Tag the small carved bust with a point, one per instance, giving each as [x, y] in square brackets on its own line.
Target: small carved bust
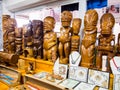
[75, 39]
[106, 40]
[50, 39]
[65, 37]
[89, 38]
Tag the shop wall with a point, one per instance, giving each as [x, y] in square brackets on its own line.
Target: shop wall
[5, 10]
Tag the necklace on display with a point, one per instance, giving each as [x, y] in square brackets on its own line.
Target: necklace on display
[118, 68]
[74, 61]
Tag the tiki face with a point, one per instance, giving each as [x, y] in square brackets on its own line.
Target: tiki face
[76, 25]
[49, 23]
[90, 19]
[106, 23]
[66, 18]
[37, 28]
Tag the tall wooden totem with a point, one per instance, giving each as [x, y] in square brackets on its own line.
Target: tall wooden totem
[9, 25]
[89, 38]
[28, 40]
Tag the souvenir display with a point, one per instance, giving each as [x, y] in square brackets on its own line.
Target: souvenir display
[106, 40]
[74, 58]
[65, 37]
[54, 78]
[69, 83]
[18, 41]
[89, 38]
[78, 73]
[84, 86]
[98, 78]
[63, 69]
[50, 40]
[116, 83]
[40, 75]
[75, 38]
[37, 27]
[28, 44]
[115, 65]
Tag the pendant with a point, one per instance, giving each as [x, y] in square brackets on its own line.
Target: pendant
[118, 69]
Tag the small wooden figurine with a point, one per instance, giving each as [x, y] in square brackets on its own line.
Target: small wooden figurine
[75, 38]
[50, 40]
[89, 38]
[65, 37]
[106, 40]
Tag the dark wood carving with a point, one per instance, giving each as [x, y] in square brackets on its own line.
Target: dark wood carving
[37, 38]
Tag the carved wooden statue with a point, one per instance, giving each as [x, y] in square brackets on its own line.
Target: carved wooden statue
[37, 38]
[89, 38]
[50, 39]
[18, 41]
[11, 35]
[106, 40]
[28, 40]
[75, 39]
[65, 37]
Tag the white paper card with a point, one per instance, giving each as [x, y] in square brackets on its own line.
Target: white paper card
[84, 86]
[78, 73]
[98, 78]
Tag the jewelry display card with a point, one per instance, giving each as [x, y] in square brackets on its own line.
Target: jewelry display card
[103, 89]
[99, 78]
[84, 86]
[78, 73]
[63, 70]
[40, 75]
[114, 64]
[74, 58]
[69, 83]
[116, 84]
